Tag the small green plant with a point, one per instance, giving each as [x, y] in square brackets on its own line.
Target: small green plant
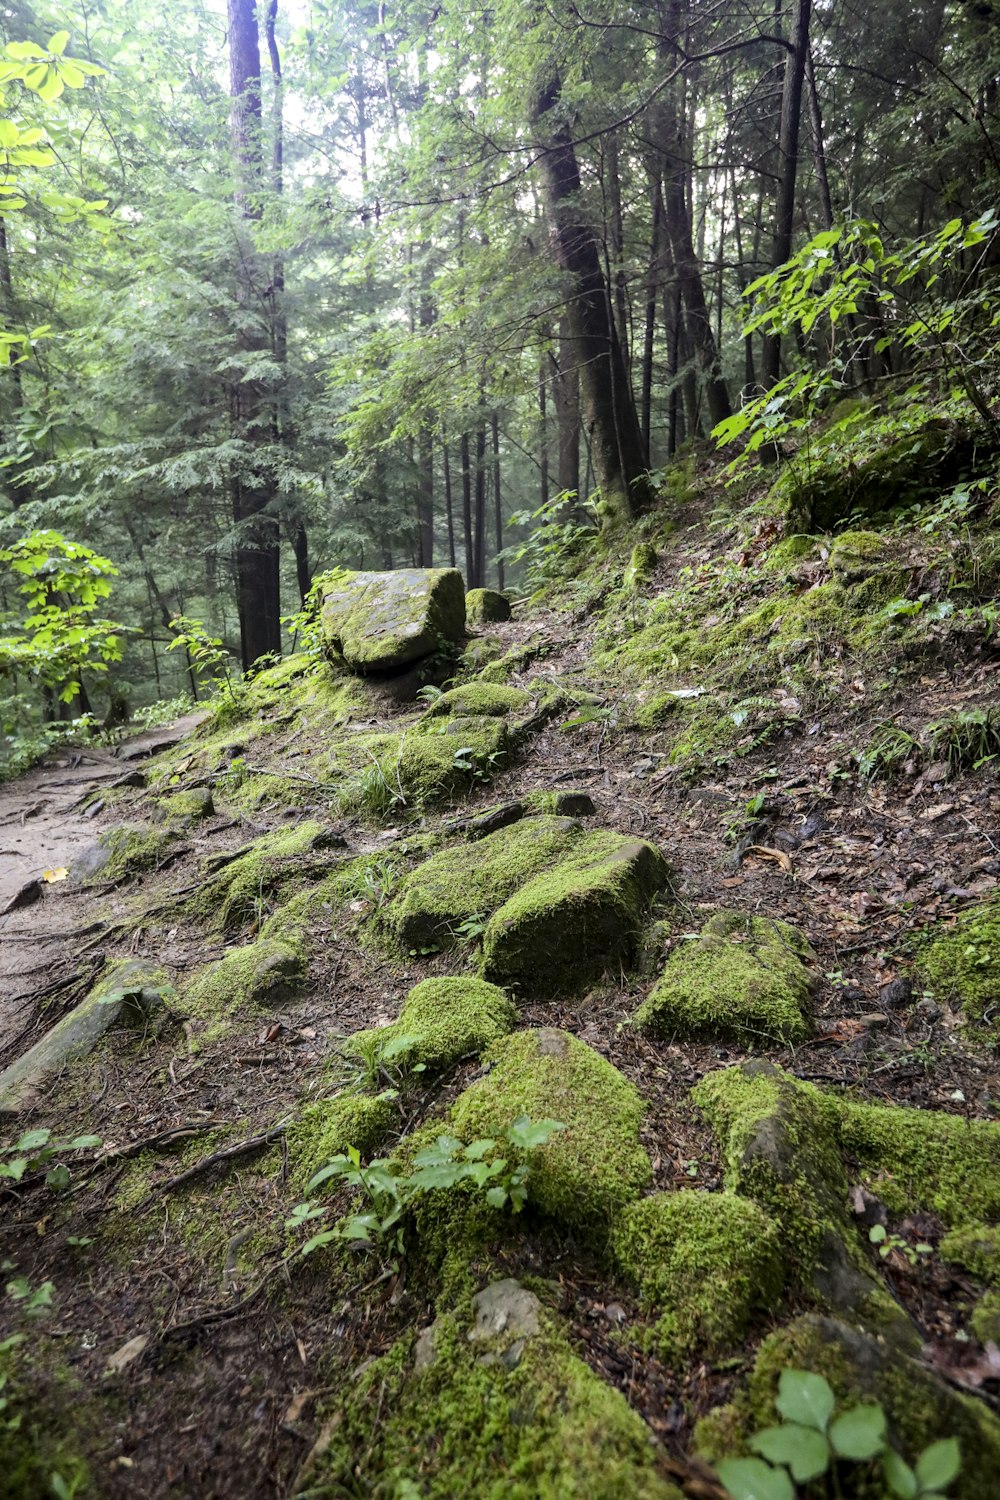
[304, 625]
[812, 1445]
[966, 739]
[375, 1058]
[561, 533]
[36, 1151]
[891, 748]
[497, 1168]
[472, 929]
[210, 657]
[878, 1235]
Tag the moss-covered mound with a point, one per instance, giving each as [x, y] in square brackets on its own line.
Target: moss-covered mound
[380, 622]
[442, 1020]
[486, 607]
[977, 1248]
[329, 1127]
[479, 699]
[921, 1407]
[240, 891]
[564, 904]
[744, 977]
[579, 919]
[261, 973]
[121, 852]
[473, 880]
[705, 1264]
[585, 1174]
[494, 1404]
[964, 964]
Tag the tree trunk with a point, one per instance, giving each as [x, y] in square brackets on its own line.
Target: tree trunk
[497, 506]
[566, 390]
[788, 154]
[609, 407]
[253, 490]
[448, 507]
[470, 551]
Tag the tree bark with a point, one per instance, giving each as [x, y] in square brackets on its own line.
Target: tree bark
[788, 154]
[253, 490]
[566, 391]
[609, 406]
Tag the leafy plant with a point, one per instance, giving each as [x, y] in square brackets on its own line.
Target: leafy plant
[497, 1168]
[209, 656]
[812, 1447]
[558, 537]
[878, 1235]
[966, 739]
[890, 749]
[37, 1150]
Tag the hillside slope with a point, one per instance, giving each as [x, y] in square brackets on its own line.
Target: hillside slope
[680, 895]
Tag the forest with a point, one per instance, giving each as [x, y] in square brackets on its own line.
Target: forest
[500, 750]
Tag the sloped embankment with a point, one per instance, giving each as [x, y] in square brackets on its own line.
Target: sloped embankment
[462, 903]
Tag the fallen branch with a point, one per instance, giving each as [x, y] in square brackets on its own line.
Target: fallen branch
[228, 1153]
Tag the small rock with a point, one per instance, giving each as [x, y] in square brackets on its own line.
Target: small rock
[896, 993]
[928, 1010]
[505, 1307]
[574, 804]
[424, 1354]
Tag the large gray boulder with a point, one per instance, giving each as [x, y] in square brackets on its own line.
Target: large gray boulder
[383, 622]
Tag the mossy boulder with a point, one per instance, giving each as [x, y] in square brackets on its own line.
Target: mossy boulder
[743, 977]
[705, 1264]
[474, 880]
[183, 809]
[381, 622]
[121, 852]
[492, 1403]
[921, 1407]
[129, 994]
[584, 1175]
[963, 964]
[258, 974]
[331, 1126]
[856, 556]
[238, 890]
[442, 1020]
[486, 607]
[641, 566]
[578, 919]
[479, 699]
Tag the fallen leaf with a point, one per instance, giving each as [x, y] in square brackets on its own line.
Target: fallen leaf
[126, 1354]
[778, 855]
[52, 876]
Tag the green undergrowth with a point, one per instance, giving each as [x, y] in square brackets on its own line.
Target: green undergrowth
[241, 892]
[133, 850]
[243, 984]
[330, 1127]
[963, 964]
[47, 1422]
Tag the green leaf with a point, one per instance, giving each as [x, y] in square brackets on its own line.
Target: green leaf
[753, 1479]
[803, 1450]
[939, 1464]
[806, 1398]
[33, 1139]
[58, 43]
[859, 1433]
[899, 1476]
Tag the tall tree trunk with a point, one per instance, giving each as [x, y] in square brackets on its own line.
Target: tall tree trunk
[497, 505]
[543, 431]
[609, 407]
[448, 505]
[253, 492]
[480, 487]
[788, 160]
[566, 390]
[470, 548]
[649, 324]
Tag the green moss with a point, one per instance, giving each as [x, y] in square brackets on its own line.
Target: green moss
[512, 1417]
[976, 1247]
[789, 551]
[706, 1265]
[984, 1319]
[133, 851]
[743, 978]
[380, 622]
[919, 1158]
[582, 916]
[442, 1020]
[418, 767]
[239, 893]
[474, 879]
[964, 964]
[920, 1406]
[641, 566]
[657, 710]
[485, 607]
[46, 1418]
[479, 699]
[328, 1128]
[256, 975]
[514, 661]
[184, 808]
[583, 1175]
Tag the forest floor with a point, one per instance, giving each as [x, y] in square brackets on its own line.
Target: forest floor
[242, 1349]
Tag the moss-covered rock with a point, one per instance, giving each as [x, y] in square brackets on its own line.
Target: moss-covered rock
[922, 1158]
[585, 1174]
[921, 1407]
[239, 892]
[380, 622]
[258, 974]
[963, 964]
[183, 809]
[121, 852]
[858, 555]
[442, 1020]
[976, 1247]
[329, 1127]
[473, 880]
[486, 607]
[479, 700]
[744, 977]
[641, 566]
[495, 1405]
[578, 919]
[705, 1264]
[984, 1320]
